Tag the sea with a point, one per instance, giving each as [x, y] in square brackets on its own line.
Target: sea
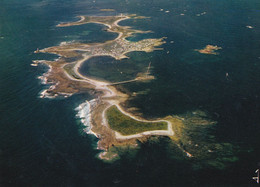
[43, 143]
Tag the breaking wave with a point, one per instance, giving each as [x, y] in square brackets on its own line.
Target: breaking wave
[84, 114]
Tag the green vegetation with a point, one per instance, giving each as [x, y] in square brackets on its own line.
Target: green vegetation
[127, 126]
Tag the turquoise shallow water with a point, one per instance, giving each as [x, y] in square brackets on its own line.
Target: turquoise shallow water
[42, 143]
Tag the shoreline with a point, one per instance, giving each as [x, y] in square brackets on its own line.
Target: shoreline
[82, 18]
[70, 81]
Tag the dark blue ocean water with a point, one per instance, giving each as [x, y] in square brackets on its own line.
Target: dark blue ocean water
[41, 141]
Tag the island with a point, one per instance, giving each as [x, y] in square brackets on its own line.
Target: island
[107, 116]
[209, 49]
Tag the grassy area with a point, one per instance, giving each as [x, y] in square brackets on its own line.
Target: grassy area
[127, 126]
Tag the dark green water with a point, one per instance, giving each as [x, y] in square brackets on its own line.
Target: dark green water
[110, 69]
[42, 143]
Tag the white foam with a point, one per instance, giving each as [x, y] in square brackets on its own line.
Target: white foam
[67, 43]
[249, 26]
[63, 94]
[84, 114]
[43, 77]
[63, 43]
[45, 94]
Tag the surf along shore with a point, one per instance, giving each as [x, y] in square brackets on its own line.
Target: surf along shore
[65, 80]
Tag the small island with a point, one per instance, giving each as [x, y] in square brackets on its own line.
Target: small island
[209, 49]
